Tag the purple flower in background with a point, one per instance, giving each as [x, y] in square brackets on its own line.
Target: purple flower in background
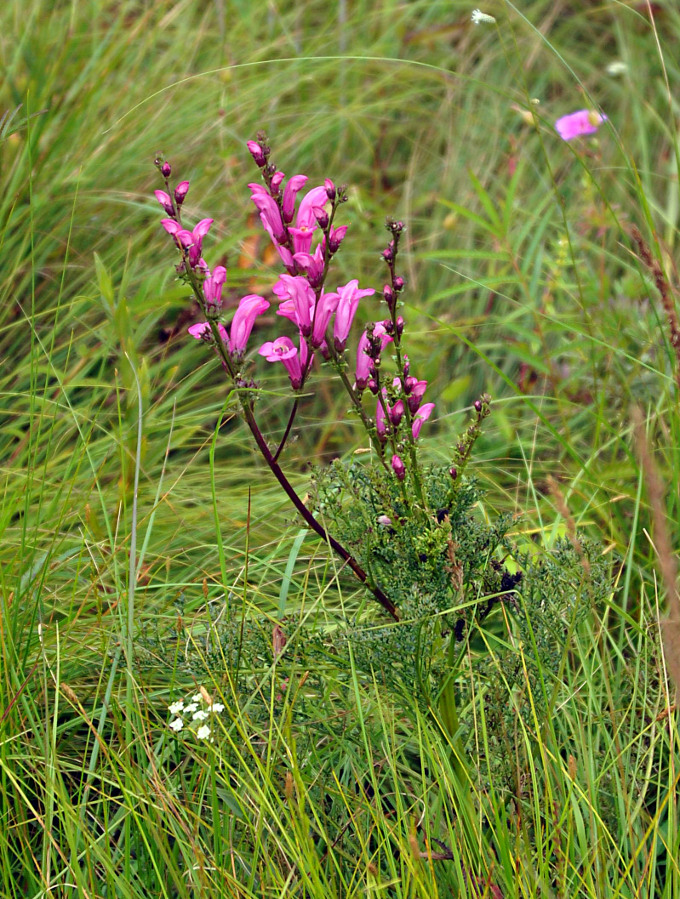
[585, 121]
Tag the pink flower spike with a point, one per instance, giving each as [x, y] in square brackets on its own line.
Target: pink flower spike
[296, 183]
[585, 121]
[398, 467]
[244, 318]
[165, 201]
[349, 297]
[325, 307]
[421, 416]
[212, 286]
[283, 350]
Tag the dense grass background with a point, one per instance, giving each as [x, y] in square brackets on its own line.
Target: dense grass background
[522, 281]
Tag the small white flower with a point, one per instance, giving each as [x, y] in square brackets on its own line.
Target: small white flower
[191, 707]
[176, 707]
[217, 707]
[199, 715]
[478, 17]
[203, 732]
[196, 697]
[177, 724]
[617, 68]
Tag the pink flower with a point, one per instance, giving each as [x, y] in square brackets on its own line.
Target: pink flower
[244, 318]
[203, 331]
[297, 290]
[311, 265]
[585, 121]
[181, 192]
[191, 240]
[348, 302]
[325, 307]
[284, 350]
[381, 417]
[317, 196]
[398, 467]
[415, 390]
[336, 237]
[269, 213]
[165, 201]
[212, 286]
[296, 183]
[421, 416]
[255, 151]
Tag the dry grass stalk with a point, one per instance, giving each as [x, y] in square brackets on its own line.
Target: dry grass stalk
[665, 292]
[668, 565]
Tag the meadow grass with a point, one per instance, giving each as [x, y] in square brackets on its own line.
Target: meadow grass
[138, 527]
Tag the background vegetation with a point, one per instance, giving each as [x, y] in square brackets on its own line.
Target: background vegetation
[522, 281]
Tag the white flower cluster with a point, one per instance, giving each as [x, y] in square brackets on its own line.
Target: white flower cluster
[197, 712]
[478, 17]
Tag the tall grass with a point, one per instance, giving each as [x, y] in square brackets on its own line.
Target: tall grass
[136, 523]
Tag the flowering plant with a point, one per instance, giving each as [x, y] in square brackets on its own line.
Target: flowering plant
[408, 531]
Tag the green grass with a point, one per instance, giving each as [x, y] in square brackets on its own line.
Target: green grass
[522, 281]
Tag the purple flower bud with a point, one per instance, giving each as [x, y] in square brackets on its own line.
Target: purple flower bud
[257, 153]
[400, 326]
[399, 284]
[478, 405]
[454, 473]
[397, 413]
[330, 189]
[336, 237]
[407, 366]
[321, 216]
[398, 467]
[166, 170]
[181, 192]
[165, 201]
[388, 295]
[388, 254]
[277, 180]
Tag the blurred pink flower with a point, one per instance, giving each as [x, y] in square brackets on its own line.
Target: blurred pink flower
[585, 121]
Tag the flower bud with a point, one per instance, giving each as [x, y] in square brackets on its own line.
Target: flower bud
[166, 170]
[388, 252]
[398, 467]
[407, 367]
[275, 183]
[321, 216]
[181, 192]
[388, 295]
[478, 405]
[398, 284]
[400, 326]
[330, 189]
[257, 153]
[336, 237]
[454, 473]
